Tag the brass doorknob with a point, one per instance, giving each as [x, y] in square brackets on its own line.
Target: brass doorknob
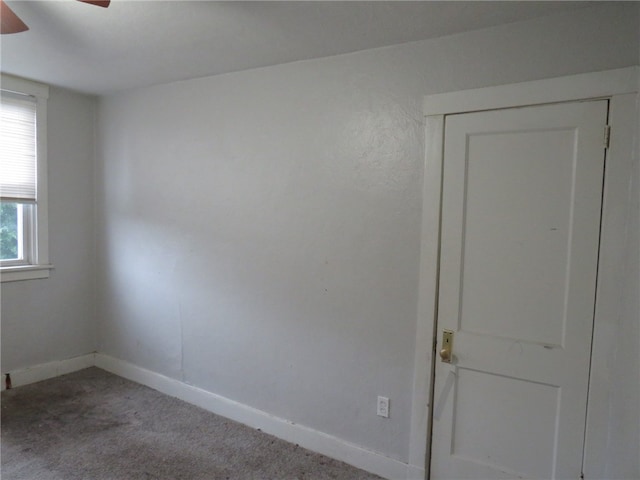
[445, 354]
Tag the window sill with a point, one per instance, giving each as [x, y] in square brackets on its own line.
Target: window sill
[24, 272]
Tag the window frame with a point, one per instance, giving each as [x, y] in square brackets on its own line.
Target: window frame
[36, 263]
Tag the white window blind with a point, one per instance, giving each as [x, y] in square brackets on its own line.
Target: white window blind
[17, 148]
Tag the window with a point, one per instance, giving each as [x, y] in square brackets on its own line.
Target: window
[23, 180]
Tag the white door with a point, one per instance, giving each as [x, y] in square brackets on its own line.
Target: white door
[521, 204]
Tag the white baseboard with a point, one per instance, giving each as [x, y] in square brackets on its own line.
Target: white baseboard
[44, 371]
[291, 432]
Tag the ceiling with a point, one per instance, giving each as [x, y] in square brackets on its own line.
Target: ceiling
[140, 43]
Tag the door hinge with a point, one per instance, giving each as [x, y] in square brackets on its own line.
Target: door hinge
[607, 136]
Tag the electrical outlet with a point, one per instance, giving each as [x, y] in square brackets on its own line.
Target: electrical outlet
[383, 407]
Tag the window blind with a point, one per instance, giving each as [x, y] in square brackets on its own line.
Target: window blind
[17, 147]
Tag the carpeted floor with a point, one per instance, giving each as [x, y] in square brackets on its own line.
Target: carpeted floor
[93, 425]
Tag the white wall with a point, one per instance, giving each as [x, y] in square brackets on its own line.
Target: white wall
[258, 232]
[53, 319]
[624, 362]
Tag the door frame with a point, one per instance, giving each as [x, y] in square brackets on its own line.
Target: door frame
[620, 87]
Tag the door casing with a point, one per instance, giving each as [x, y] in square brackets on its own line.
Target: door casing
[620, 86]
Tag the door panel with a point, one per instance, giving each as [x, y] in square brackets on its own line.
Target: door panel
[520, 230]
[514, 452]
[497, 260]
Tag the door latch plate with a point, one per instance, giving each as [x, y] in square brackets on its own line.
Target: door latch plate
[446, 352]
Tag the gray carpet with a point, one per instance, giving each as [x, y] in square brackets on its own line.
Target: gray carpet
[94, 425]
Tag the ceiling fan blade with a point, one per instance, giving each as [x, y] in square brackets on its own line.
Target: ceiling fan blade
[99, 3]
[9, 21]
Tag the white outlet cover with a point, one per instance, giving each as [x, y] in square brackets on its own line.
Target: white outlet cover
[383, 407]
